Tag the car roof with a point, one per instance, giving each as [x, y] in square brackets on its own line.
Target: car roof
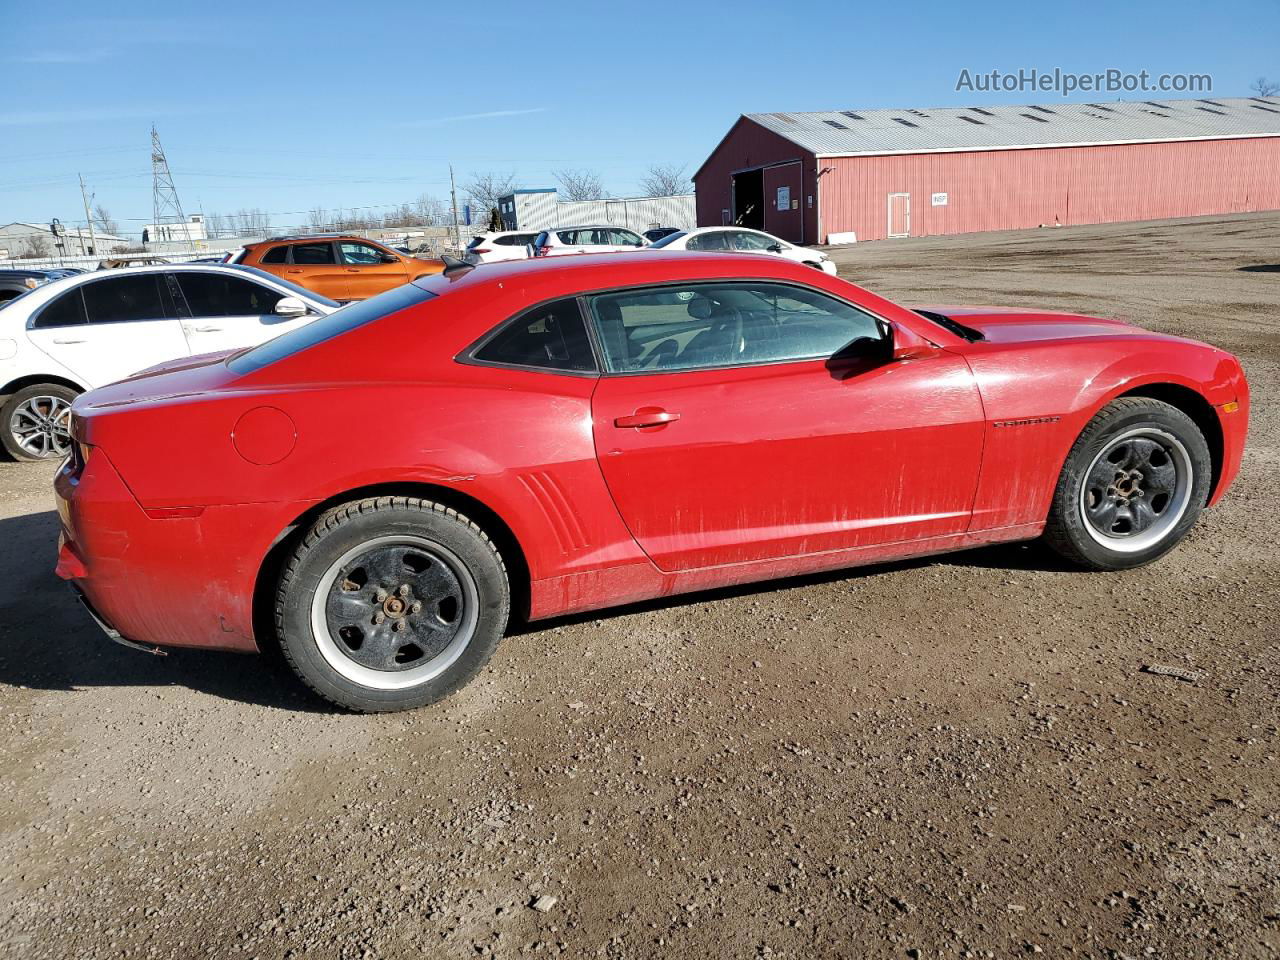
[314, 237]
[590, 226]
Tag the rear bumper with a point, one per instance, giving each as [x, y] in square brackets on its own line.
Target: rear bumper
[112, 633]
[160, 580]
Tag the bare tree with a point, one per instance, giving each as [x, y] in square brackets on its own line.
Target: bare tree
[664, 180]
[253, 222]
[102, 216]
[215, 224]
[485, 189]
[580, 184]
[1265, 87]
[37, 247]
[430, 210]
[317, 220]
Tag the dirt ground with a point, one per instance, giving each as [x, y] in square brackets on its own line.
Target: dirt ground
[953, 757]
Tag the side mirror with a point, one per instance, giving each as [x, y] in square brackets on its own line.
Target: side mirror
[775, 248]
[909, 345]
[291, 307]
[389, 258]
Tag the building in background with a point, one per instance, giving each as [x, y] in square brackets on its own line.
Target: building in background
[21, 240]
[831, 176]
[188, 232]
[540, 209]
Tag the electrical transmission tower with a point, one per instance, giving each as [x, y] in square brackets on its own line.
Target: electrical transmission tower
[165, 206]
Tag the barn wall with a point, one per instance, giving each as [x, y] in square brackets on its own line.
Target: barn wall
[1011, 189]
[748, 146]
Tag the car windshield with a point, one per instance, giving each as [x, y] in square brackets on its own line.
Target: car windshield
[669, 238]
[291, 287]
[326, 328]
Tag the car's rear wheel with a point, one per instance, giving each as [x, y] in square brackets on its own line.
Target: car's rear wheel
[391, 603]
[1134, 483]
[37, 422]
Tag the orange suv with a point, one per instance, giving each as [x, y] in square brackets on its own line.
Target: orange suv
[337, 266]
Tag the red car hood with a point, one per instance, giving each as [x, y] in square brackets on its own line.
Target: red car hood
[1018, 325]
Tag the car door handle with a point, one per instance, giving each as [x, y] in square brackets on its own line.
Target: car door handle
[353, 269]
[205, 329]
[293, 271]
[647, 418]
[67, 341]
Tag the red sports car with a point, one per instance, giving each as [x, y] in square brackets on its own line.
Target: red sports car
[379, 490]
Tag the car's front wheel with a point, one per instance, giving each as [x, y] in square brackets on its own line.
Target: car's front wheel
[391, 603]
[37, 422]
[1133, 484]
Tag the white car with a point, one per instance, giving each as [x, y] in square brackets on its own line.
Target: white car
[83, 331]
[499, 245]
[588, 239]
[742, 240]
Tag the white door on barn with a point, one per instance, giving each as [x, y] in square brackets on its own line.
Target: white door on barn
[899, 214]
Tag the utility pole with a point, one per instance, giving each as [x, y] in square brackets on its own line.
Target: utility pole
[453, 191]
[93, 237]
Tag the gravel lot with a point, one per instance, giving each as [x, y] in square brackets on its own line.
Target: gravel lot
[953, 757]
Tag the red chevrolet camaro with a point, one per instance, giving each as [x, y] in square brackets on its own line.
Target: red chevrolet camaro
[380, 490]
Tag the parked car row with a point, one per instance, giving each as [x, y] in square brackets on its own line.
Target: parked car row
[502, 245]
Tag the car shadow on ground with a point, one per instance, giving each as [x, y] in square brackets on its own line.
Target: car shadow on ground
[49, 642]
[1260, 268]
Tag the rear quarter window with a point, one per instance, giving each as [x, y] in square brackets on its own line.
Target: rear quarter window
[276, 255]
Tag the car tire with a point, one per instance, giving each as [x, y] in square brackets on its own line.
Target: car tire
[391, 603]
[47, 402]
[1135, 481]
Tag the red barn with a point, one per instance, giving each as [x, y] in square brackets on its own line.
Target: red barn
[809, 177]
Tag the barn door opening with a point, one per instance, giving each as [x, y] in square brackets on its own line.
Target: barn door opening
[899, 214]
[748, 199]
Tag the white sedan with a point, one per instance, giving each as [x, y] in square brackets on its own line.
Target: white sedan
[742, 240]
[499, 245]
[74, 334]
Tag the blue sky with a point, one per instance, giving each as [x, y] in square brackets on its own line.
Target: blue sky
[285, 106]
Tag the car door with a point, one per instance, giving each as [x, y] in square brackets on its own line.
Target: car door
[745, 421]
[370, 271]
[108, 328]
[314, 265]
[224, 312]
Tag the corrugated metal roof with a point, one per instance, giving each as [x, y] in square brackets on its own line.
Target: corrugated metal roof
[851, 132]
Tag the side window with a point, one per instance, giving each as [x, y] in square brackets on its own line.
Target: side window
[624, 238]
[64, 311]
[127, 299]
[570, 237]
[708, 241]
[359, 254]
[707, 325]
[219, 295]
[552, 336]
[745, 240]
[276, 255]
[313, 253]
